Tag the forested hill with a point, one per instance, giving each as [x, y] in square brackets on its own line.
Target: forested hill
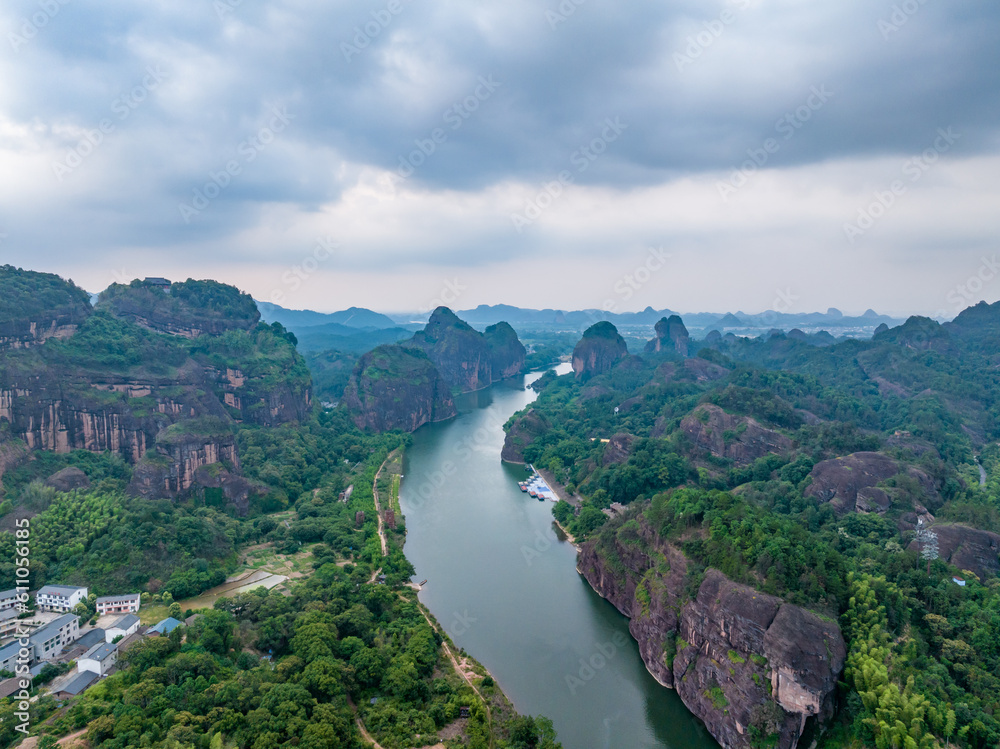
[165, 440]
[841, 478]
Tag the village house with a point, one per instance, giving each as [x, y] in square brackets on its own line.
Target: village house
[99, 658]
[8, 599]
[8, 657]
[123, 627]
[77, 685]
[54, 636]
[8, 622]
[123, 604]
[60, 598]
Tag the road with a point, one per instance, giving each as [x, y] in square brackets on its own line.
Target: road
[378, 509]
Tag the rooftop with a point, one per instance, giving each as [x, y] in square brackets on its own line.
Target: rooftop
[166, 626]
[123, 597]
[91, 638]
[59, 590]
[52, 627]
[125, 622]
[100, 652]
[83, 680]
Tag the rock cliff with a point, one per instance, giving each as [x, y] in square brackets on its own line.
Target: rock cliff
[600, 349]
[393, 387]
[461, 354]
[739, 438]
[507, 351]
[188, 309]
[521, 432]
[121, 385]
[967, 548]
[850, 483]
[671, 335]
[35, 307]
[752, 667]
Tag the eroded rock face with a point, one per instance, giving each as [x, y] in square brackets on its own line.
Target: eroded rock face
[12, 454]
[737, 657]
[68, 479]
[739, 438]
[522, 432]
[849, 483]
[188, 309]
[600, 349]
[508, 351]
[618, 449]
[171, 468]
[461, 354]
[671, 335]
[35, 307]
[967, 548]
[393, 387]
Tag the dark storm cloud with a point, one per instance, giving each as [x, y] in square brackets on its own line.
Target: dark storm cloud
[480, 94]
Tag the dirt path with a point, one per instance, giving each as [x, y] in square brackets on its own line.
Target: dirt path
[68, 740]
[378, 510]
[361, 726]
[460, 670]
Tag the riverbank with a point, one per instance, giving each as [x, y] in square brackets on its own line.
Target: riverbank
[559, 489]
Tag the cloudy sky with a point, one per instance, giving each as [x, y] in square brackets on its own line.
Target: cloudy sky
[394, 154]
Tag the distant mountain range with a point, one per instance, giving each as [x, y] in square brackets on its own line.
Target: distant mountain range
[354, 317]
[359, 329]
[738, 322]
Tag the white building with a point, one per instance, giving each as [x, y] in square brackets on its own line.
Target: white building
[122, 627]
[54, 636]
[9, 623]
[60, 597]
[8, 599]
[99, 658]
[124, 604]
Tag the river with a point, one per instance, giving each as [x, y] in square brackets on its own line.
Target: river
[505, 588]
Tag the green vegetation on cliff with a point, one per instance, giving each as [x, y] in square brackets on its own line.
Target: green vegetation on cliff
[807, 481]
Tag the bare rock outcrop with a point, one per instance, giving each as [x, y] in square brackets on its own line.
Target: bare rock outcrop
[746, 663]
[742, 439]
[68, 479]
[618, 449]
[393, 387]
[598, 351]
[967, 548]
[521, 432]
[670, 335]
[850, 483]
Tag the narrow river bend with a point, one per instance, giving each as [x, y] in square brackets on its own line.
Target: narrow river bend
[506, 589]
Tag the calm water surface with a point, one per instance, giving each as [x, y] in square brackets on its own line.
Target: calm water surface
[506, 589]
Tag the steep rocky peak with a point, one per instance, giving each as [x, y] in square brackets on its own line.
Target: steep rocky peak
[600, 349]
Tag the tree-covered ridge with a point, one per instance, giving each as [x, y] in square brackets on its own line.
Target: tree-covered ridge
[824, 460]
[27, 296]
[189, 307]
